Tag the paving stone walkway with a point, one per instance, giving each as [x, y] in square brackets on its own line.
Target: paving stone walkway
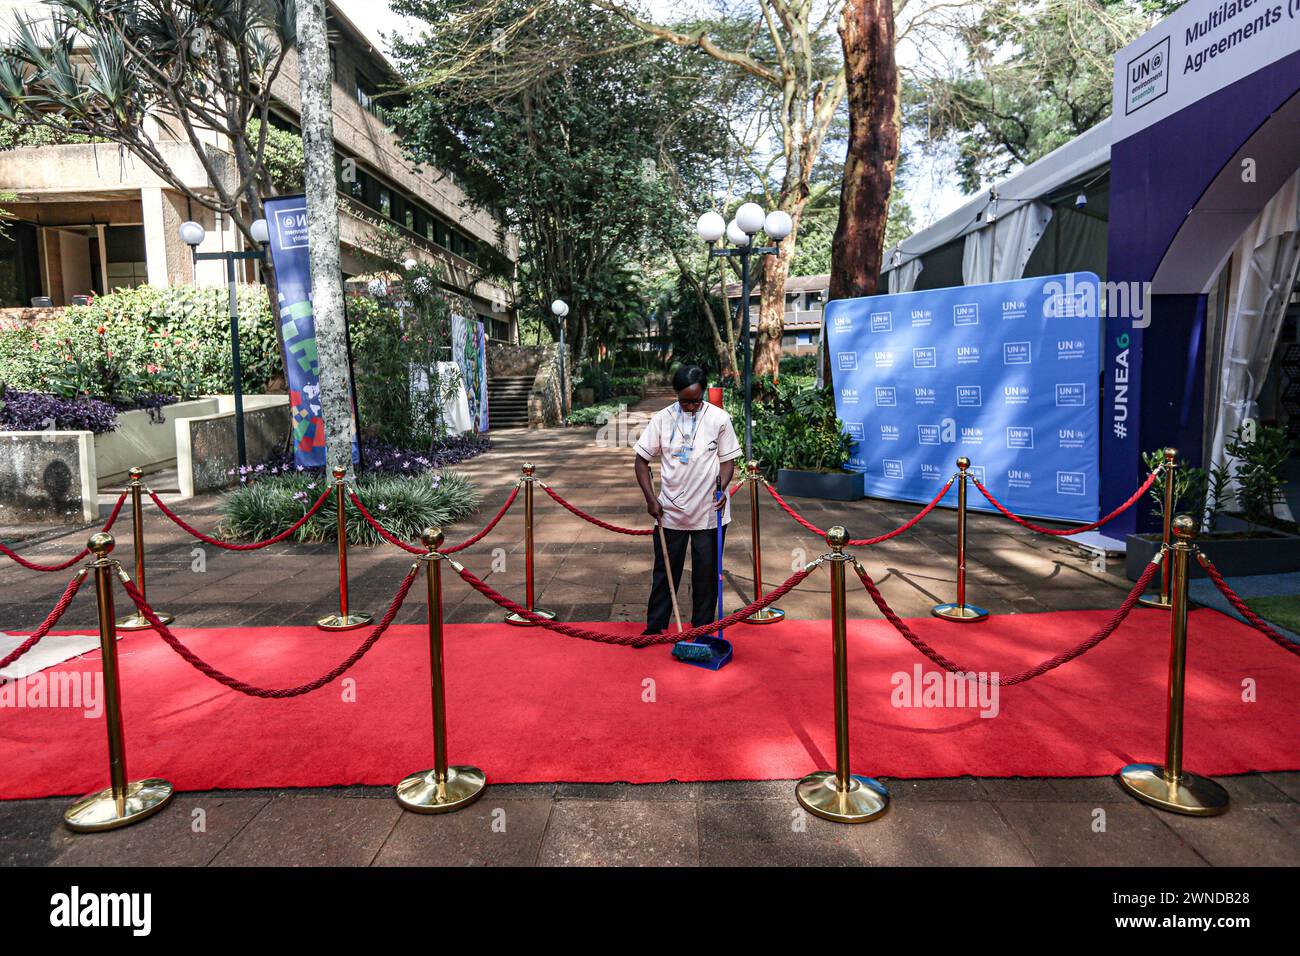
[587, 574]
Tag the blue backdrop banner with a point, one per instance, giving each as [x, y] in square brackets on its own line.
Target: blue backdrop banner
[1004, 373]
[287, 218]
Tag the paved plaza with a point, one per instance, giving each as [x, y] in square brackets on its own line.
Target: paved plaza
[588, 574]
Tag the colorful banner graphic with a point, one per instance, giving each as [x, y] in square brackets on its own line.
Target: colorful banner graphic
[287, 218]
[1004, 373]
[469, 352]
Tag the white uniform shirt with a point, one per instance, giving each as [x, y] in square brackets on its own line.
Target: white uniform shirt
[687, 488]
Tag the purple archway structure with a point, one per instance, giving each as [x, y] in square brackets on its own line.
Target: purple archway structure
[1207, 129]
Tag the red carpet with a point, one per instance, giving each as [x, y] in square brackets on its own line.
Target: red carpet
[530, 706]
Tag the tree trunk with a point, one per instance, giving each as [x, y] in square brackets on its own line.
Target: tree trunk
[323, 233]
[871, 88]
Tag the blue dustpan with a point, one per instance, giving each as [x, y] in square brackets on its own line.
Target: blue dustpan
[711, 653]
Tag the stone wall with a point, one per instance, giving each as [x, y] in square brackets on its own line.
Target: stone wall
[206, 453]
[544, 402]
[47, 476]
[509, 361]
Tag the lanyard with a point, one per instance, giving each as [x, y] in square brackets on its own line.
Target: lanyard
[687, 440]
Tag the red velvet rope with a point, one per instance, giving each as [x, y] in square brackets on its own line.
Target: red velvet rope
[862, 542]
[216, 542]
[50, 620]
[253, 691]
[632, 640]
[1243, 608]
[1038, 669]
[1066, 532]
[79, 556]
[594, 520]
[412, 549]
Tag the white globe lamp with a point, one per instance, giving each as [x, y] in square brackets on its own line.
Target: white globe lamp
[750, 217]
[711, 227]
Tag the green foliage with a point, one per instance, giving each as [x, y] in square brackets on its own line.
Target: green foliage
[794, 426]
[1253, 472]
[579, 146]
[1260, 469]
[390, 345]
[601, 412]
[58, 133]
[282, 156]
[1030, 77]
[146, 341]
[1190, 487]
[404, 505]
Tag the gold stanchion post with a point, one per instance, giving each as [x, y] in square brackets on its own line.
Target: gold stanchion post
[125, 801]
[443, 788]
[839, 794]
[1162, 601]
[345, 619]
[767, 615]
[961, 611]
[1171, 787]
[529, 478]
[135, 621]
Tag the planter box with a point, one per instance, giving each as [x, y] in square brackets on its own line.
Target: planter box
[832, 486]
[1277, 553]
[206, 449]
[140, 441]
[48, 477]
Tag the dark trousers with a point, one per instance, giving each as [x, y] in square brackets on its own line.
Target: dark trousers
[704, 577]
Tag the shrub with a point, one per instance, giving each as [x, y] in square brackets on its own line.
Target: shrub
[389, 345]
[596, 414]
[35, 412]
[404, 505]
[144, 342]
[794, 426]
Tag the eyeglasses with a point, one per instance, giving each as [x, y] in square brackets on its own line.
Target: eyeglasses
[690, 405]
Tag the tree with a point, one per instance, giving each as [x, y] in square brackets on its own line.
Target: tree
[1027, 77]
[317, 114]
[125, 73]
[577, 127]
[785, 49]
[871, 80]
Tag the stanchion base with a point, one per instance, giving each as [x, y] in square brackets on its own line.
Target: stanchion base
[99, 811]
[344, 622]
[420, 792]
[963, 613]
[519, 621]
[138, 622]
[1190, 794]
[766, 615]
[865, 800]
[1155, 601]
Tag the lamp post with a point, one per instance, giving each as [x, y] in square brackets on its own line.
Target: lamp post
[192, 235]
[740, 232]
[560, 309]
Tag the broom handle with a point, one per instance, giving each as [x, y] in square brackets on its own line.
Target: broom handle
[718, 499]
[668, 566]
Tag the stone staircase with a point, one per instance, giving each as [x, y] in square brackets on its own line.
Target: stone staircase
[508, 400]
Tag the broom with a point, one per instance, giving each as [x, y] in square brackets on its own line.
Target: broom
[668, 565]
[700, 651]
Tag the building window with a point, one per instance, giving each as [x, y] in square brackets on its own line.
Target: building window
[385, 202]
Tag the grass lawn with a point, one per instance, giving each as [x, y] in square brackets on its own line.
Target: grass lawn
[1282, 609]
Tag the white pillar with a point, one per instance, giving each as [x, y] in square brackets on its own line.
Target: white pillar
[155, 234]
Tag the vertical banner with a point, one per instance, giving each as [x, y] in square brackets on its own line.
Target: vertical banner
[287, 218]
[469, 352]
[1004, 373]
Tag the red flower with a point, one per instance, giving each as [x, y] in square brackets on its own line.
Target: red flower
[101, 330]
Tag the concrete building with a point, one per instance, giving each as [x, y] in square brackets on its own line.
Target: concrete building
[90, 218]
